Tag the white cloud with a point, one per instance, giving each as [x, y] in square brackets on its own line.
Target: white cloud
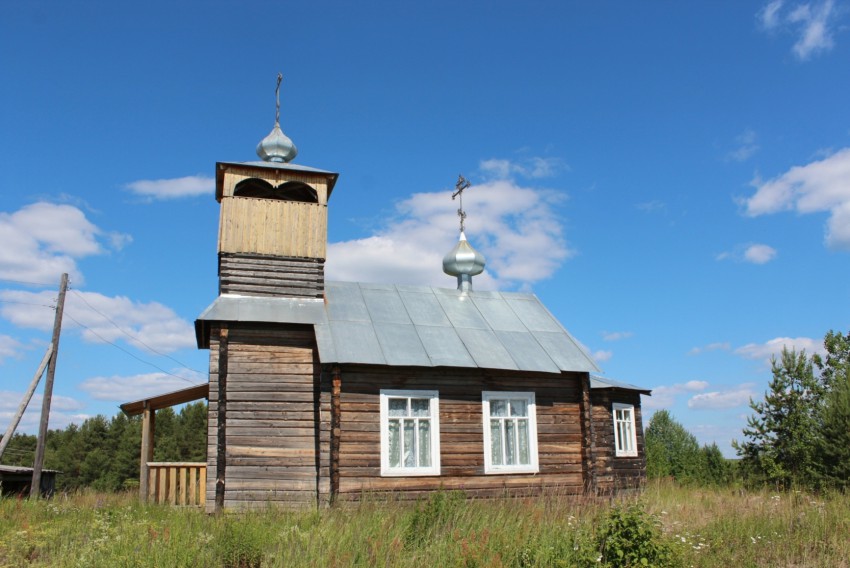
[811, 23]
[716, 400]
[63, 411]
[651, 206]
[754, 253]
[773, 347]
[150, 325]
[9, 347]
[534, 167]
[189, 186]
[664, 396]
[745, 146]
[616, 335]
[515, 228]
[759, 254]
[718, 346]
[602, 356]
[769, 15]
[136, 387]
[43, 240]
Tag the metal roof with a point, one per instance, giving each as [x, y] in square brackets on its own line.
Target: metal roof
[597, 382]
[385, 324]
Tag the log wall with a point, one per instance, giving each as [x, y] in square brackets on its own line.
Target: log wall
[261, 275]
[615, 473]
[559, 431]
[276, 421]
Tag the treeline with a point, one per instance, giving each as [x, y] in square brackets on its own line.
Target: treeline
[797, 437]
[104, 453]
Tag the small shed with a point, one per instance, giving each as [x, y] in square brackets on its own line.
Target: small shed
[17, 480]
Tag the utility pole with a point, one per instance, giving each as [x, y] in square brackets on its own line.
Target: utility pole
[35, 487]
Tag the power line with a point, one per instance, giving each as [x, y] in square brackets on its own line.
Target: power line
[26, 304]
[131, 354]
[27, 282]
[131, 336]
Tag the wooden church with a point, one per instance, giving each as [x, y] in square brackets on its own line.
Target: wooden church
[323, 391]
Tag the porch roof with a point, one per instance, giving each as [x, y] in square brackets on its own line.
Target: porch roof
[190, 394]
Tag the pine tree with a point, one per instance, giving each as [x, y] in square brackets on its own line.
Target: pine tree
[782, 437]
[834, 450]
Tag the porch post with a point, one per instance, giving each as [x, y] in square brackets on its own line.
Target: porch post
[148, 426]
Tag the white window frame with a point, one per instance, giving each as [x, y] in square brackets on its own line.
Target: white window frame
[532, 466]
[434, 407]
[624, 448]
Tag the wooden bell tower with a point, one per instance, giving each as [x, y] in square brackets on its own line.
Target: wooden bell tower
[272, 236]
[273, 231]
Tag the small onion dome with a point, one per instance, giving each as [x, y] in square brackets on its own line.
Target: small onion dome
[464, 262]
[276, 147]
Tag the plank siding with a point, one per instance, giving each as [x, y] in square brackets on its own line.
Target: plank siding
[274, 438]
[273, 227]
[461, 431]
[616, 473]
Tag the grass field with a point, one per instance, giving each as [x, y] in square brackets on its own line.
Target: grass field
[692, 526]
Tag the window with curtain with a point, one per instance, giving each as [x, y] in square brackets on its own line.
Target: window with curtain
[625, 441]
[510, 432]
[410, 432]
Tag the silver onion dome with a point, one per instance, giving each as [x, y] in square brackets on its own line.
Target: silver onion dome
[464, 262]
[276, 147]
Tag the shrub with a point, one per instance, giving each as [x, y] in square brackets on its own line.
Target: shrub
[631, 537]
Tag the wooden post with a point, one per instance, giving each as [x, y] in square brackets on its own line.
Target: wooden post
[588, 440]
[148, 430]
[336, 389]
[10, 431]
[221, 443]
[35, 487]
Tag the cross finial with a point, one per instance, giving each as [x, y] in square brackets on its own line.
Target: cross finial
[462, 183]
[277, 99]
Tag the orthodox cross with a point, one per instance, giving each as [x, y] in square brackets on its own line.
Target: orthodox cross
[462, 183]
[277, 99]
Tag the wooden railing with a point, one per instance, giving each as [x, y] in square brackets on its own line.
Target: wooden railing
[177, 483]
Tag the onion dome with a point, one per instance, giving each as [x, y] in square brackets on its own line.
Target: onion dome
[464, 262]
[276, 147]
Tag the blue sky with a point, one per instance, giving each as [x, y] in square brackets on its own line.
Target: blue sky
[671, 179]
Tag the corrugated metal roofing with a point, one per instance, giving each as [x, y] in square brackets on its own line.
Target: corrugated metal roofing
[417, 326]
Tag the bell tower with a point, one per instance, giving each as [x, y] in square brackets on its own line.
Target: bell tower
[272, 236]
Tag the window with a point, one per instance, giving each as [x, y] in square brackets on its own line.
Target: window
[510, 432]
[410, 432]
[625, 442]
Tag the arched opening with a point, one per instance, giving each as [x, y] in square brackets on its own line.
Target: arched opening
[287, 191]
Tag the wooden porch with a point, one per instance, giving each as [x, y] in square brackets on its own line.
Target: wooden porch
[175, 483]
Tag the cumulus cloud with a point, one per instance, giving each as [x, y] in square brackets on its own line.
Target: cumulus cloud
[516, 228]
[43, 240]
[665, 396]
[9, 347]
[616, 335]
[812, 23]
[718, 346]
[601, 356]
[189, 186]
[716, 400]
[773, 347]
[533, 167]
[745, 146]
[148, 326]
[754, 253]
[64, 410]
[759, 254]
[116, 387]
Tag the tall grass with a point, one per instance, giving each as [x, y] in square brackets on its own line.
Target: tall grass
[702, 527]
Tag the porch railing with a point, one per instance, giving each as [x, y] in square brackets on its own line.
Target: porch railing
[177, 483]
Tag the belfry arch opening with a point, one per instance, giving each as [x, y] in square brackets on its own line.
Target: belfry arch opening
[288, 191]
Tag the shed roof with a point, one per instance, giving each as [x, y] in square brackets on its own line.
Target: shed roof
[386, 324]
[190, 394]
[598, 383]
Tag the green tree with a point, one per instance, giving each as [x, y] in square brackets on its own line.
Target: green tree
[834, 450]
[717, 469]
[672, 451]
[782, 437]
